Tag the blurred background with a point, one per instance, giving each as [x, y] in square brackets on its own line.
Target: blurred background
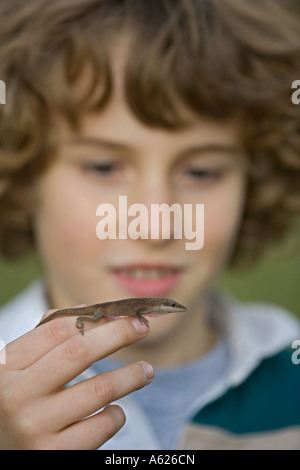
[274, 280]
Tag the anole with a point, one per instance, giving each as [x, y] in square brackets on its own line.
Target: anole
[119, 308]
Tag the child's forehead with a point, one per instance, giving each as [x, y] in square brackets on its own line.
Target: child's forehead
[151, 89]
[118, 52]
[117, 119]
[117, 131]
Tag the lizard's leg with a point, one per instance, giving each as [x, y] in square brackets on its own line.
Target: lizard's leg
[142, 319]
[99, 313]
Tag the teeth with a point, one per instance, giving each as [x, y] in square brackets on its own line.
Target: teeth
[140, 273]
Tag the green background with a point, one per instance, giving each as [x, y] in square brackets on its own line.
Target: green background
[276, 279]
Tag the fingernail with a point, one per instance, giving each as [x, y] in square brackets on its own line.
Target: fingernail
[148, 369]
[139, 326]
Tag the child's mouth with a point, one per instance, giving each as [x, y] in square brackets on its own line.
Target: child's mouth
[148, 280]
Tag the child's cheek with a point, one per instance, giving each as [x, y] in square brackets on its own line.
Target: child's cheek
[65, 225]
[222, 223]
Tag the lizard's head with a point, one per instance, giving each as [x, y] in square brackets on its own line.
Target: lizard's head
[163, 306]
[170, 305]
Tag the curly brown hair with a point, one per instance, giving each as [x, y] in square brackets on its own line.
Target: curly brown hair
[220, 58]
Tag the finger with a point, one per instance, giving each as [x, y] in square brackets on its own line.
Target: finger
[30, 347]
[76, 354]
[87, 397]
[93, 432]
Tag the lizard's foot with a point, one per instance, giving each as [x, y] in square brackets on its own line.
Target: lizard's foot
[80, 325]
[143, 319]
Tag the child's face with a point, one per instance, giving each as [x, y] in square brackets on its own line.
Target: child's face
[117, 155]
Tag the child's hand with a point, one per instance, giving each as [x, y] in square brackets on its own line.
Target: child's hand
[38, 412]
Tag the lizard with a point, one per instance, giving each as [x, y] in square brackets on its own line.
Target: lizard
[119, 308]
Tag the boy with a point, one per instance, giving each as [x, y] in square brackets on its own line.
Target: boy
[162, 102]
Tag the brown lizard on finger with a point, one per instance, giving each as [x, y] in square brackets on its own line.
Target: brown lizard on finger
[119, 308]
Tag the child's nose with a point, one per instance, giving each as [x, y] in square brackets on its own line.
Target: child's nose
[154, 203]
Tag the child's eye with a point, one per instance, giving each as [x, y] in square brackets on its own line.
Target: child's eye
[202, 173]
[105, 168]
